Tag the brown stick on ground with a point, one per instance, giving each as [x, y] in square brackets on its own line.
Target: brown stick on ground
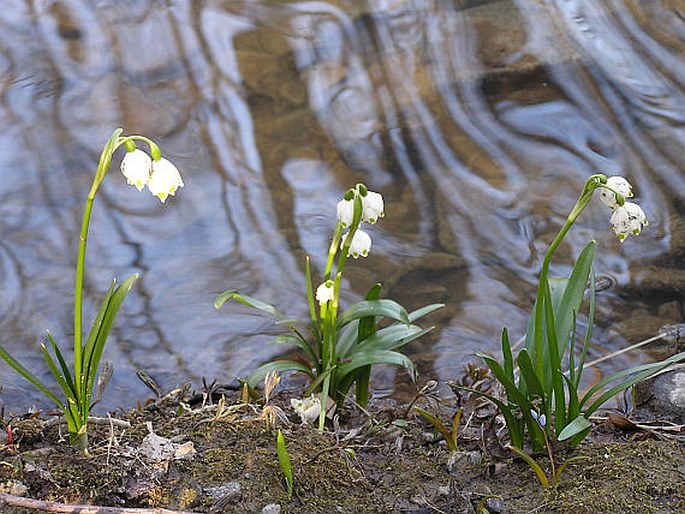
[66, 508]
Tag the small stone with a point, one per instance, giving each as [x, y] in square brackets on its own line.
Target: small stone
[664, 395]
[496, 506]
[458, 460]
[272, 508]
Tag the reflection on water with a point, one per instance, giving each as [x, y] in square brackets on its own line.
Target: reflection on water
[478, 121]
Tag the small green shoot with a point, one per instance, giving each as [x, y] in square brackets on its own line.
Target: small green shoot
[284, 461]
[450, 436]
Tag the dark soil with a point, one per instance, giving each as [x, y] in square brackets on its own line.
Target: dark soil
[383, 460]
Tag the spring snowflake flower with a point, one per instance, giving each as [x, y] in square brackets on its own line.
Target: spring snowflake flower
[164, 180]
[136, 167]
[372, 207]
[628, 219]
[361, 244]
[324, 293]
[346, 212]
[307, 408]
[618, 184]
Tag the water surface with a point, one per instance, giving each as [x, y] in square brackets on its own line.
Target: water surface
[478, 121]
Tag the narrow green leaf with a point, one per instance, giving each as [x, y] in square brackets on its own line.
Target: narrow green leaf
[257, 377]
[19, 368]
[284, 461]
[554, 369]
[365, 308]
[311, 302]
[366, 328]
[529, 375]
[439, 426]
[390, 338]
[560, 469]
[588, 332]
[507, 356]
[95, 345]
[576, 426]
[299, 343]
[533, 465]
[423, 311]
[232, 294]
[365, 358]
[63, 364]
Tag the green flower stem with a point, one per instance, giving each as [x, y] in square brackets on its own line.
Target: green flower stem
[592, 183]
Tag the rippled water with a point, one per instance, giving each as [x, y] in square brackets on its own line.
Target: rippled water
[478, 121]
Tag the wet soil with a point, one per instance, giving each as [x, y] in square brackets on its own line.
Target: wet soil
[195, 452]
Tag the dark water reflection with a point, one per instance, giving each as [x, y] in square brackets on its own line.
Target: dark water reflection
[478, 122]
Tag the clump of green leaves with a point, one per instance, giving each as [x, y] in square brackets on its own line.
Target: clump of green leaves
[541, 379]
[451, 434]
[341, 348]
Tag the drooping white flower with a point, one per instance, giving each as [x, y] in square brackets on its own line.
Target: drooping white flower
[628, 219]
[136, 167]
[307, 408]
[372, 207]
[360, 245]
[346, 212]
[618, 184]
[324, 293]
[164, 180]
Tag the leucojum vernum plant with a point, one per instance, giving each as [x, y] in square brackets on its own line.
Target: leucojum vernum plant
[341, 347]
[542, 395]
[162, 179]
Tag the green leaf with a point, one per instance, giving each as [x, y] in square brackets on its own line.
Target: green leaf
[371, 357]
[365, 308]
[63, 364]
[232, 294]
[440, 427]
[423, 311]
[257, 377]
[575, 427]
[560, 469]
[637, 373]
[507, 356]
[19, 368]
[97, 337]
[390, 338]
[533, 465]
[554, 369]
[365, 328]
[284, 461]
[574, 292]
[529, 375]
[297, 341]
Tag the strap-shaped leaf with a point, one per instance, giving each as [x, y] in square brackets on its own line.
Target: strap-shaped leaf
[387, 308]
[98, 334]
[365, 328]
[298, 342]
[575, 427]
[232, 294]
[63, 364]
[507, 356]
[636, 373]
[390, 338]
[366, 358]
[423, 311]
[573, 295]
[529, 375]
[59, 377]
[257, 377]
[19, 368]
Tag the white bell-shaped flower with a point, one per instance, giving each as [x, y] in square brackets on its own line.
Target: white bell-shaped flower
[618, 184]
[360, 245]
[164, 180]
[628, 219]
[324, 293]
[372, 207]
[136, 167]
[307, 408]
[345, 212]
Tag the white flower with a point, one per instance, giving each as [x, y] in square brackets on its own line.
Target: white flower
[136, 167]
[618, 184]
[346, 212]
[361, 244]
[164, 180]
[307, 408]
[372, 207]
[628, 219]
[324, 293]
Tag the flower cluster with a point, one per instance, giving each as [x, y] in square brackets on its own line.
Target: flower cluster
[160, 175]
[372, 210]
[627, 217]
